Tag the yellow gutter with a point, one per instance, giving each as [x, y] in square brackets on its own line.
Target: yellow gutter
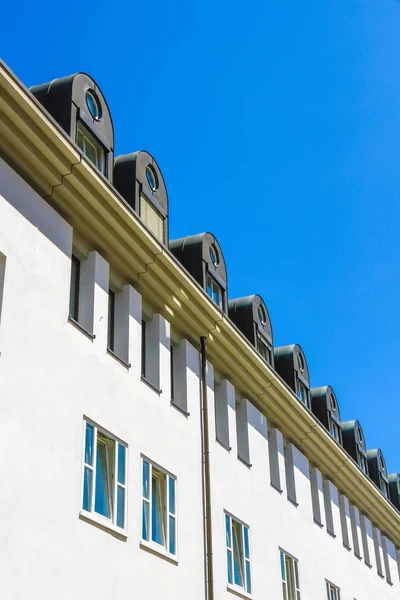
[36, 147]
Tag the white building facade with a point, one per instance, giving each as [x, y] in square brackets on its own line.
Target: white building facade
[148, 449]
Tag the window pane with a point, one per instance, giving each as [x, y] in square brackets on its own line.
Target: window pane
[157, 523]
[172, 534]
[284, 589]
[209, 286]
[171, 495]
[145, 479]
[246, 542]
[120, 507]
[248, 579]
[121, 464]
[87, 488]
[102, 497]
[145, 521]
[74, 289]
[237, 554]
[229, 565]
[283, 572]
[296, 573]
[228, 531]
[89, 444]
[290, 578]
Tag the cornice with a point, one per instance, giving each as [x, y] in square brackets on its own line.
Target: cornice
[36, 147]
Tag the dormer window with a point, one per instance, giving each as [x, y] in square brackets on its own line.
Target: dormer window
[91, 147]
[302, 392]
[151, 217]
[362, 463]
[334, 430]
[152, 178]
[384, 488]
[214, 291]
[264, 349]
[214, 255]
[93, 105]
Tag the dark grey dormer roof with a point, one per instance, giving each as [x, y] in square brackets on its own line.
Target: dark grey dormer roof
[325, 406]
[290, 363]
[136, 175]
[194, 252]
[66, 100]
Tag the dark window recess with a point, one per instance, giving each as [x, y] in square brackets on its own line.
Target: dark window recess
[111, 320]
[143, 348]
[74, 289]
[172, 373]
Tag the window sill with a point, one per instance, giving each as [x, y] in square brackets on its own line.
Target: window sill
[159, 551]
[118, 358]
[244, 462]
[151, 386]
[293, 501]
[278, 489]
[331, 533]
[238, 591]
[183, 412]
[104, 523]
[82, 329]
[321, 525]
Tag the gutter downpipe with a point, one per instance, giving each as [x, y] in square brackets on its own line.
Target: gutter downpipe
[205, 442]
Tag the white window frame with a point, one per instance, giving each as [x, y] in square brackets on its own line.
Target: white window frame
[89, 138]
[244, 556]
[114, 482]
[333, 592]
[215, 288]
[167, 513]
[290, 580]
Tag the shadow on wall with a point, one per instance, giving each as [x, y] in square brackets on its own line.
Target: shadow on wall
[33, 208]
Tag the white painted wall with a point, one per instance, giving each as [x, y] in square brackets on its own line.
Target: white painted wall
[51, 375]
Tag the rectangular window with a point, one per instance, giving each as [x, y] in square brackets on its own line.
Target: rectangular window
[315, 500]
[143, 348]
[104, 476]
[289, 473]
[326, 487]
[242, 431]
[334, 430]
[273, 456]
[343, 503]
[364, 540]
[238, 553]
[91, 147]
[362, 462]
[332, 591]
[290, 577]
[111, 320]
[75, 288]
[384, 487]
[302, 393]
[214, 291]
[151, 217]
[264, 349]
[221, 412]
[158, 507]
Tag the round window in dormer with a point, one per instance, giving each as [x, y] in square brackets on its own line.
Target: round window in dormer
[333, 403]
[152, 178]
[93, 105]
[261, 314]
[381, 464]
[214, 255]
[300, 362]
[360, 436]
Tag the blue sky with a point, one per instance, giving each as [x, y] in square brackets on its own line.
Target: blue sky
[277, 128]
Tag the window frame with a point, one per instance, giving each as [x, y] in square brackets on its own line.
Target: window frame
[101, 152]
[290, 589]
[74, 290]
[331, 587]
[213, 286]
[168, 516]
[114, 482]
[263, 348]
[244, 554]
[300, 386]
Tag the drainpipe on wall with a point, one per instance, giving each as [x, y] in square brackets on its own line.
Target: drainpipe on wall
[205, 450]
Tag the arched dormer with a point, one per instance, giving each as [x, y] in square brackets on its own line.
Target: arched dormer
[326, 408]
[202, 256]
[77, 104]
[394, 489]
[354, 443]
[377, 470]
[251, 316]
[291, 364]
[139, 180]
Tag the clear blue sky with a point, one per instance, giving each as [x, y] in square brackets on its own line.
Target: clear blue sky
[277, 128]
